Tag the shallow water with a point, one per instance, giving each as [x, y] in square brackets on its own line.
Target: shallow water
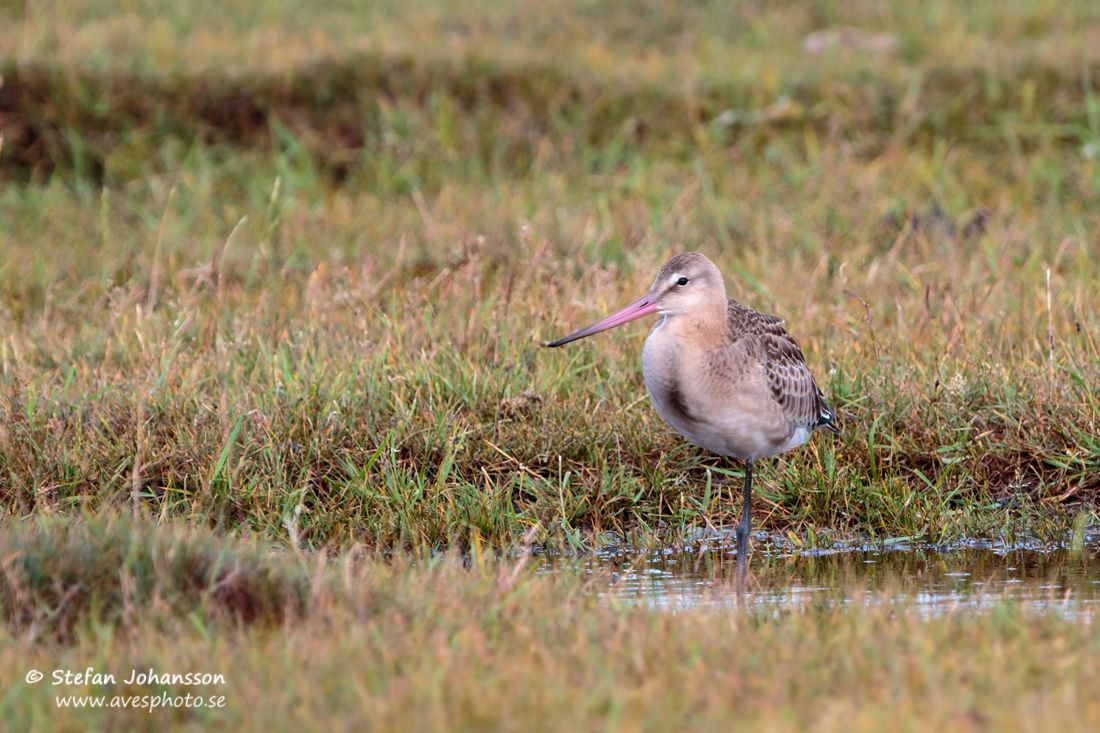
[931, 579]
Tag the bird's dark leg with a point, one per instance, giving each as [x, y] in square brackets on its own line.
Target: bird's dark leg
[743, 530]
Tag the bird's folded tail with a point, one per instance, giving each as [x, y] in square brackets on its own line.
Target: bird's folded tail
[825, 421]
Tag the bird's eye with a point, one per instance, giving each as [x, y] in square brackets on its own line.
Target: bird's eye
[682, 282]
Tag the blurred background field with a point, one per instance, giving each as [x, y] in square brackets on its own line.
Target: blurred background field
[284, 264]
[274, 280]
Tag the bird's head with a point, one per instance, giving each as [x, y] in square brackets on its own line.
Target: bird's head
[688, 283]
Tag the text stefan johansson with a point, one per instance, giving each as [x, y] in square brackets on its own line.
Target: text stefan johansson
[136, 677]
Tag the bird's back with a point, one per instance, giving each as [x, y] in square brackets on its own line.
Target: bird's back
[791, 384]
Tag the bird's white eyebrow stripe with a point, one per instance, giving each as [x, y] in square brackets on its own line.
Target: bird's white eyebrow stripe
[672, 280]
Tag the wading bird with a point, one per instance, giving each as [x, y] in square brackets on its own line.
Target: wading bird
[729, 379]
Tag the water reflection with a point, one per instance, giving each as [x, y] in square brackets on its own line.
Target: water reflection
[933, 580]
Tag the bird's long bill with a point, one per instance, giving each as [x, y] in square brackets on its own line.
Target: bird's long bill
[643, 306]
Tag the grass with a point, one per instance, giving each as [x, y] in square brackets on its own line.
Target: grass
[441, 644]
[274, 405]
[308, 301]
[65, 575]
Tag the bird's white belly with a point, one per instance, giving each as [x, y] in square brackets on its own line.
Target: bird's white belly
[798, 437]
[733, 433]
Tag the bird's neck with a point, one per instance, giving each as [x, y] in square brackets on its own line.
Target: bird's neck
[702, 325]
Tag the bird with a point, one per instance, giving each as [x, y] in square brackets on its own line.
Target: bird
[728, 378]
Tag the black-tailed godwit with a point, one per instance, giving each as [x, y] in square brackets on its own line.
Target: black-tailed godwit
[728, 378]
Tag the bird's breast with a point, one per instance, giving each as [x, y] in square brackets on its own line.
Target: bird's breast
[713, 400]
[665, 368]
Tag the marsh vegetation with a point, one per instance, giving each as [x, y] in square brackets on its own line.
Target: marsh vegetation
[274, 283]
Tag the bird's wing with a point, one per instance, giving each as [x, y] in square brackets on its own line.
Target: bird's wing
[791, 382]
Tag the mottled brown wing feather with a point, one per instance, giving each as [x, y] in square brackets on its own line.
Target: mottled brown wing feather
[791, 382]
